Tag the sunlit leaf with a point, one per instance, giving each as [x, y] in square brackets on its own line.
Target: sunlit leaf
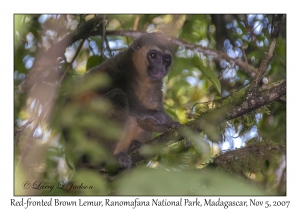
[93, 61]
[209, 74]
[182, 63]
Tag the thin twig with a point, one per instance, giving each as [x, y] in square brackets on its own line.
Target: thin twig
[91, 49]
[107, 46]
[281, 61]
[103, 39]
[245, 57]
[24, 126]
[198, 103]
[69, 67]
[19, 130]
[29, 138]
[124, 28]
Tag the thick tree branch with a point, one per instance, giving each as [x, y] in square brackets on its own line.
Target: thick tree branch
[250, 159]
[265, 96]
[245, 151]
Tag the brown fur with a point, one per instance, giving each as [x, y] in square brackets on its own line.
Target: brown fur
[136, 95]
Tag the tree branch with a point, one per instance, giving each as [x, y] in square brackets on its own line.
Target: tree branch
[93, 28]
[46, 60]
[213, 118]
[218, 56]
[272, 92]
[245, 151]
[266, 60]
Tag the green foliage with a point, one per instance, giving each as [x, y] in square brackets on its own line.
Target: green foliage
[93, 61]
[143, 181]
[209, 74]
[185, 154]
[90, 83]
[195, 28]
[96, 185]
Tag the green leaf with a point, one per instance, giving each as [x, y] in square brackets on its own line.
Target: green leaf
[209, 74]
[87, 182]
[182, 63]
[93, 61]
[196, 182]
[242, 27]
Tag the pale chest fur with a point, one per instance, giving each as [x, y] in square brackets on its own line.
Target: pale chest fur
[149, 96]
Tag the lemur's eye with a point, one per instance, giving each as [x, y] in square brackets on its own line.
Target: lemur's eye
[168, 59]
[153, 55]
